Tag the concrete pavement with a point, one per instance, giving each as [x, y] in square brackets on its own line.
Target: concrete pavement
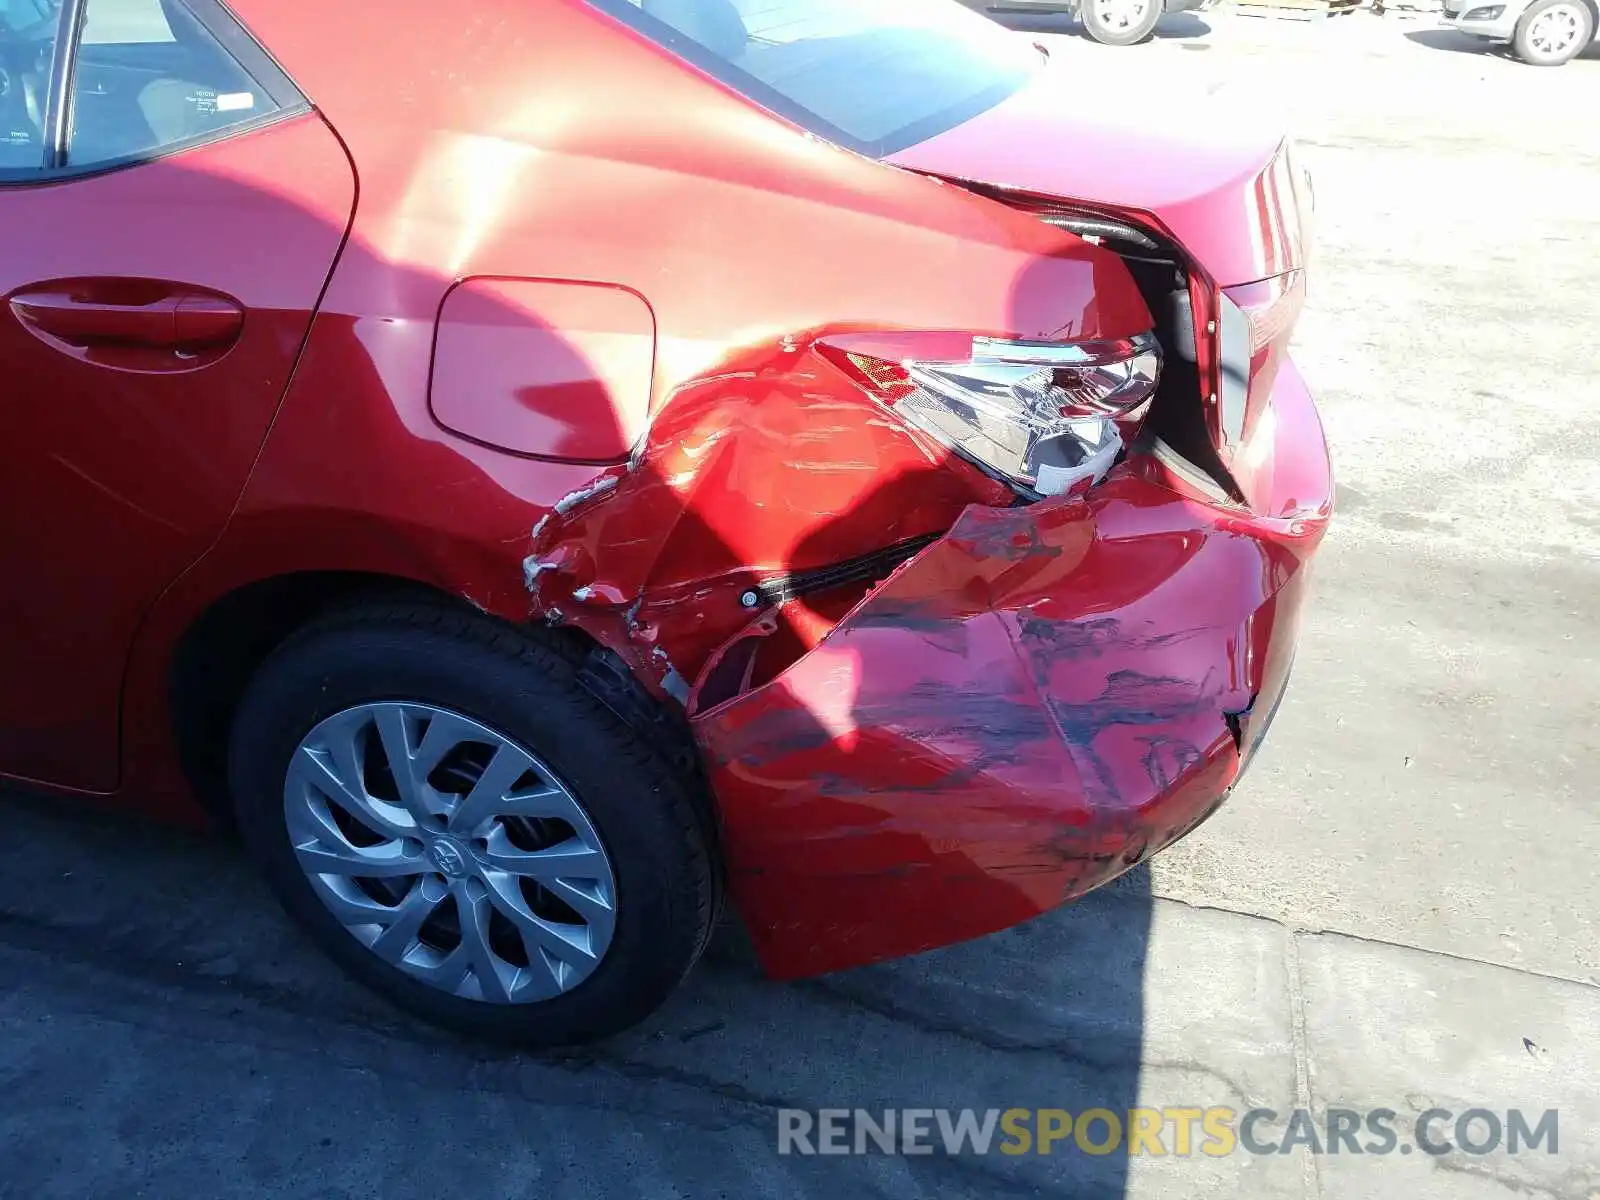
[1397, 911]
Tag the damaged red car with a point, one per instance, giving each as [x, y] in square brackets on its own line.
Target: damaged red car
[585, 459]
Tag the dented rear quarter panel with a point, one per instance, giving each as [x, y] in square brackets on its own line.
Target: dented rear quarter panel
[745, 236]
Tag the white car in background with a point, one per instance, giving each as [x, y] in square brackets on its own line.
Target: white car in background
[1111, 22]
[1545, 33]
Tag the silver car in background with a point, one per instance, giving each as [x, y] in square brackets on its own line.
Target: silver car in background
[1545, 33]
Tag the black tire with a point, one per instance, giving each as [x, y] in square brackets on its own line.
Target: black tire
[1524, 46]
[1110, 34]
[655, 828]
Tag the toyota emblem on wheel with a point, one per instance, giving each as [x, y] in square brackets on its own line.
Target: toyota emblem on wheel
[448, 858]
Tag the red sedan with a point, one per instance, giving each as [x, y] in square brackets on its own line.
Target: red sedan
[539, 466]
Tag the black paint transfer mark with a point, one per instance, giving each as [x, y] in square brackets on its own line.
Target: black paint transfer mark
[1005, 540]
[1045, 639]
[931, 619]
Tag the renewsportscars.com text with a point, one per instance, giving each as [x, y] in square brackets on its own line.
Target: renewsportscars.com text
[1157, 1132]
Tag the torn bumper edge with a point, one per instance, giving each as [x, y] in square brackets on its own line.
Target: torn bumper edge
[1033, 705]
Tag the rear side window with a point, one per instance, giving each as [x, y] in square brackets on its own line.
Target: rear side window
[92, 84]
[873, 75]
[148, 76]
[27, 49]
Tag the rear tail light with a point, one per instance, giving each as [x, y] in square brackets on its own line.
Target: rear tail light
[1258, 320]
[1045, 417]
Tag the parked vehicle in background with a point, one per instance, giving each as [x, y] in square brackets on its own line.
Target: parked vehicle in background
[1111, 22]
[796, 449]
[1545, 33]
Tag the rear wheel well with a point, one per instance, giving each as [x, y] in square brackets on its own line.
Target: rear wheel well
[222, 649]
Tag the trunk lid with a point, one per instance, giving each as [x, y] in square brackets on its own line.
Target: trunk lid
[1222, 183]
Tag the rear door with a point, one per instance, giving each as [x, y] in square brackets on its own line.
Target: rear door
[170, 210]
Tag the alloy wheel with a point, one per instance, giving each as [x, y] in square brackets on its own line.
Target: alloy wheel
[450, 852]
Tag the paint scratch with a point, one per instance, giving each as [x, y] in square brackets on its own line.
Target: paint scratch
[584, 494]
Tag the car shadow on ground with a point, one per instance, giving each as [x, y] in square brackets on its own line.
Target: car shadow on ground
[1171, 27]
[159, 951]
[1452, 40]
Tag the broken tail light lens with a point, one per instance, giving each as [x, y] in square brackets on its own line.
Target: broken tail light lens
[1046, 417]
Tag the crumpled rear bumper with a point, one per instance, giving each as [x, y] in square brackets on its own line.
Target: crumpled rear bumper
[1035, 703]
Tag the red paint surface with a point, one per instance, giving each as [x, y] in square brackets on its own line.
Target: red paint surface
[853, 774]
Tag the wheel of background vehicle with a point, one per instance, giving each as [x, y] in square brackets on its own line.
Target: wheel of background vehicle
[1552, 31]
[469, 830]
[1121, 22]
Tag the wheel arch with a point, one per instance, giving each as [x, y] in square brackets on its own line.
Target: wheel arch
[221, 648]
[1594, 19]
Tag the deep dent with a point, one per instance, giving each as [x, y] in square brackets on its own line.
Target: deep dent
[1033, 705]
[773, 465]
[1035, 702]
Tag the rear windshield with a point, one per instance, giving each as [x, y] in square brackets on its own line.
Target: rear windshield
[874, 75]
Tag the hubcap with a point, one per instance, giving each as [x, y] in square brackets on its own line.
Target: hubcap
[450, 852]
[1554, 31]
[1121, 14]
